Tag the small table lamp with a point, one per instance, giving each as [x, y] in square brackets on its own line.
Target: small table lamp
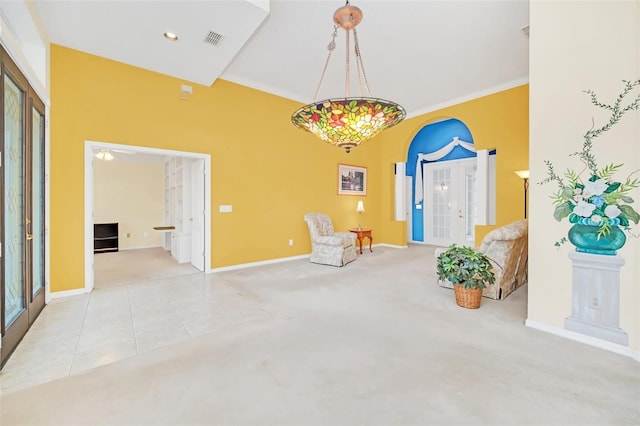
[524, 175]
[360, 210]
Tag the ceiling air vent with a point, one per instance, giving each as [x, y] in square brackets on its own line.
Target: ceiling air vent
[213, 38]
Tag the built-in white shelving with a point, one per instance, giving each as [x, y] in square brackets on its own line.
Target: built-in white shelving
[177, 205]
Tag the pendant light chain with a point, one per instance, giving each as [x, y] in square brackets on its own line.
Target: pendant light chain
[346, 86]
[362, 76]
[330, 47]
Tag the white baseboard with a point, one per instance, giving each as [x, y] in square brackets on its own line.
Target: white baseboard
[139, 247]
[283, 259]
[263, 262]
[390, 245]
[67, 293]
[588, 340]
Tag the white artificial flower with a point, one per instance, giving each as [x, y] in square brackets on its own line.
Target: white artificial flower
[596, 218]
[577, 198]
[612, 211]
[584, 209]
[594, 188]
[577, 191]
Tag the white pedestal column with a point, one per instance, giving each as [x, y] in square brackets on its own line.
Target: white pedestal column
[596, 297]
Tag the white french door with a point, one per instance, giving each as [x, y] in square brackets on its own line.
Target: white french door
[450, 202]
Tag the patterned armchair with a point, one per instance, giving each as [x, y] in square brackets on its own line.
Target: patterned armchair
[507, 247]
[329, 247]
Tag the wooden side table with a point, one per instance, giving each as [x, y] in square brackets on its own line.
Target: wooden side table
[361, 234]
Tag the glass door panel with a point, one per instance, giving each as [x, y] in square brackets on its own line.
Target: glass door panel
[37, 196]
[441, 203]
[470, 202]
[35, 210]
[14, 220]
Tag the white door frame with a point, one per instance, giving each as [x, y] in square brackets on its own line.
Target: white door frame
[197, 213]
[89, 148]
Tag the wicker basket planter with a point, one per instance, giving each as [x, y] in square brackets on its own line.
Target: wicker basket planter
[468, 270]
[467, 297]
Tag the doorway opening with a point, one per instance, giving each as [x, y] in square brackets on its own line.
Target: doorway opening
[176, 240]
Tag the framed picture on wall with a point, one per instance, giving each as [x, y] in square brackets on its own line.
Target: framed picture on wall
[352, 180]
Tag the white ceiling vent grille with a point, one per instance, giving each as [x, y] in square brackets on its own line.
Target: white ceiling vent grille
[213, 38]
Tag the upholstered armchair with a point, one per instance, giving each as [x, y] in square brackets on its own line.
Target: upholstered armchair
[327, 246]
[507, 247]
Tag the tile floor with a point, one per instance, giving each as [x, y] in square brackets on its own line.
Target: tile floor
[131, 266]
[115, 322]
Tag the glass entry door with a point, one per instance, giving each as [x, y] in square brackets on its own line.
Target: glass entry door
[35, 236]
[450, 207]
[22, 219]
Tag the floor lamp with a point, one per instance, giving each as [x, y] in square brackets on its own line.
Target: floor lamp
[524, 175]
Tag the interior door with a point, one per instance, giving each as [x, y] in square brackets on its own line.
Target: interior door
[450, 202]
[22, 192]
[197, 212]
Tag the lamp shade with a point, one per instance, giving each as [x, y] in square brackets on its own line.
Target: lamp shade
[347, 122]
[524, 174]
[360, 207]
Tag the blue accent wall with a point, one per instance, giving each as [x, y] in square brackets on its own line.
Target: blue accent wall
[429, 139]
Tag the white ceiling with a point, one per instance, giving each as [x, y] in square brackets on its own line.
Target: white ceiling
[423, 54]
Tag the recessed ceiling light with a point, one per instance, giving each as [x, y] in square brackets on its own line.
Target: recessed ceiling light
[170, 36]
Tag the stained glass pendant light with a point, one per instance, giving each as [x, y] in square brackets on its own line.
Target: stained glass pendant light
[349, 121]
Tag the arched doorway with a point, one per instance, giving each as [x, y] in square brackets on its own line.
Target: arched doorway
[442, 173]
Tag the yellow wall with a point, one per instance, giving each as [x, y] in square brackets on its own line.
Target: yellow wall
[269, 171]
[500, 121]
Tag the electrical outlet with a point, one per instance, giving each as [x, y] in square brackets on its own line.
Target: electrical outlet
[290, 242]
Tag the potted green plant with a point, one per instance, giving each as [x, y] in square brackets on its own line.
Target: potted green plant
[468, 270]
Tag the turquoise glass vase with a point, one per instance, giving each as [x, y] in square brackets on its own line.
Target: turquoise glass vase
[585, 238]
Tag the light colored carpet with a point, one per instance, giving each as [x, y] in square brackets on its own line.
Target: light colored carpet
[129, 266]
[377, 342]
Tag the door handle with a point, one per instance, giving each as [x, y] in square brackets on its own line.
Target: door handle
[29, 236]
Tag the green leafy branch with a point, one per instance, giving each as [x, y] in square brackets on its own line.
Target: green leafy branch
[552, 176]
[617, 112]
[608, 171]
